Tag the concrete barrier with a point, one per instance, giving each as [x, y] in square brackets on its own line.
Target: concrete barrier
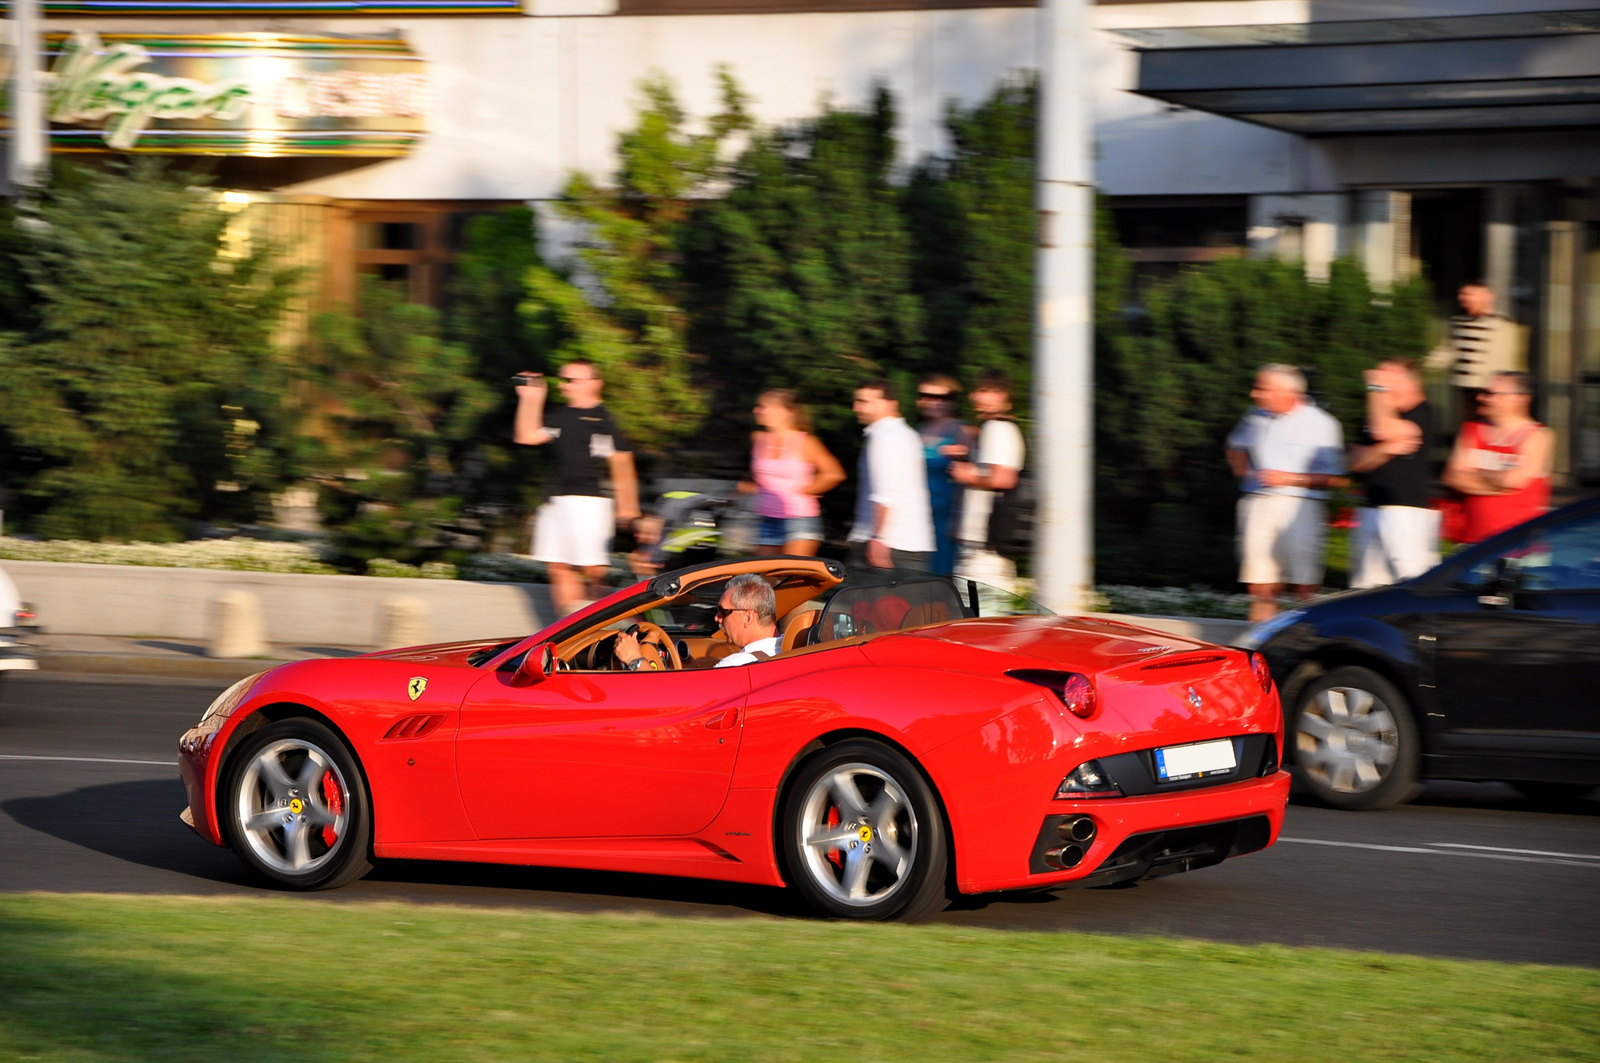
[334, 611]
[237, 628]
[403, 621]
[300, 610]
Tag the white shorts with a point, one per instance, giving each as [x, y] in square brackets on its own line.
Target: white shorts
[1394, 543]
[1282, 539]
[574, 530]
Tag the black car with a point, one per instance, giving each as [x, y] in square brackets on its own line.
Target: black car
[1486, 667]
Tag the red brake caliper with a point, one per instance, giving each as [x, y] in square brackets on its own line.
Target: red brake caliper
[835, 857]
[335, 798]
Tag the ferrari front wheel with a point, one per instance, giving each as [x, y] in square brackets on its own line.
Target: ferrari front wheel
[295, 809]
[863, 835]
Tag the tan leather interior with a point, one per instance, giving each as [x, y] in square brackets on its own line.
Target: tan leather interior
[796, 582]
[926, 613]
[797, 625]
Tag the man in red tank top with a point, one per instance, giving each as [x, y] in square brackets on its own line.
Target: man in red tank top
[1503, 466]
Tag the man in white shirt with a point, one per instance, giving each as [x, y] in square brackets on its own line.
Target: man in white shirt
[1287, 454]
[894, 519]
[748, 613]
[994, 470]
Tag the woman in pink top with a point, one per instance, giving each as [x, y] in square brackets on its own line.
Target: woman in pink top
[791, 469]
[1502, 467]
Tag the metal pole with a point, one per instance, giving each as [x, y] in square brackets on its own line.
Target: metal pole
[1063, 352]
[29, 156]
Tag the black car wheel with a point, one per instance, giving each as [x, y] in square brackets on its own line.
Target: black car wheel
[863, 835]
[1354, 741]
[294, 807]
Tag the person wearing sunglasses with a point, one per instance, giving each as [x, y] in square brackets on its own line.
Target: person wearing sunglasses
[747, 613]
[572, 531]
[944, 440]
[1502, 467]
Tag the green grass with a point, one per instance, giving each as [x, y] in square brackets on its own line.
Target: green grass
[100, 978]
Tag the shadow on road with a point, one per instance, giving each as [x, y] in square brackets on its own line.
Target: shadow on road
[133, 821]
[138, 822]
[1456, 793]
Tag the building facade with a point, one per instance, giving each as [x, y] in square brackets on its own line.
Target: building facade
[1460, 138]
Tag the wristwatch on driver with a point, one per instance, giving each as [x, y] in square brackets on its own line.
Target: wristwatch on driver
[640, 662]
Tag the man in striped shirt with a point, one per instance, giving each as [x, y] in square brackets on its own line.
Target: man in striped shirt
[1482, 343]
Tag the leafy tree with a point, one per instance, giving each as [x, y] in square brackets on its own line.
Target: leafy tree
[501, 481]
[624, 312]
[971, 215]
[800, 273]
[1167, 395]
[392, 409]
[145, 388]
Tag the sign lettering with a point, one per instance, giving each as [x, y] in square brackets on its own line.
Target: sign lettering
[91, 81]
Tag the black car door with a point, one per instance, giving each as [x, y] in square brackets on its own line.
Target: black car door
[1517, 665]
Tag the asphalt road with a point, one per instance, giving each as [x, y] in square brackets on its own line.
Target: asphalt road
[89, 801]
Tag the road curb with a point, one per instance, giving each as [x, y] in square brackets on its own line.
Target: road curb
[130, 664]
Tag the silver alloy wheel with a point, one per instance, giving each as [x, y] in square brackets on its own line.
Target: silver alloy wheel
[282, 807]
[859, 849]
[1346, 740]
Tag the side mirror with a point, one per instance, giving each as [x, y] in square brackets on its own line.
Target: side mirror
[537, 665]
[1497, 593]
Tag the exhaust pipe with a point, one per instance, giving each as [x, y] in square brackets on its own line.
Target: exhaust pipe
[1065, 858]
[1078, 832]
[1079, 829]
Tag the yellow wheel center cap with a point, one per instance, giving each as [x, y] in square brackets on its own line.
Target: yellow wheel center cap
[865, 833]
[297, 806]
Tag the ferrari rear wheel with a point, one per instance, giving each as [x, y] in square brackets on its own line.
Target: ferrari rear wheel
[1354, 741]
[863, 835]
[295, 808]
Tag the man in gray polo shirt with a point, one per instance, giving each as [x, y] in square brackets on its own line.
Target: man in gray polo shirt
[1287, 453]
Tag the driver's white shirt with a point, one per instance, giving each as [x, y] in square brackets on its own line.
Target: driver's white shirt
[747, 655]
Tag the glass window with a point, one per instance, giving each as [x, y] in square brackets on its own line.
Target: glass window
[1563, 557]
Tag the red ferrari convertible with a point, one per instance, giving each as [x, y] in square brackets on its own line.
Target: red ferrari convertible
[899, 747]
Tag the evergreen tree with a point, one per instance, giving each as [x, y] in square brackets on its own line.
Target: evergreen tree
[1167, 396]
[392, 409]
[800, 273]
[146, 390]
[971, 214]
[484, 315]
[624, 313]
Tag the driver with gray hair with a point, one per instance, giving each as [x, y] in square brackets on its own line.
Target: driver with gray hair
[748, 613]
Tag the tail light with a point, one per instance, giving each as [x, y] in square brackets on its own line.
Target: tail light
[1258, 665]
[1074, 690]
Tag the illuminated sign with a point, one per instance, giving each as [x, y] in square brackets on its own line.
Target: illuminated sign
[284, 7]
[260, 94]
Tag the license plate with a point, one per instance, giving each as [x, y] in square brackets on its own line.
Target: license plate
[1196, 761]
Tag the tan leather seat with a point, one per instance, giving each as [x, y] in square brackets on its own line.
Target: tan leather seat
[796, 627]
[926, 613]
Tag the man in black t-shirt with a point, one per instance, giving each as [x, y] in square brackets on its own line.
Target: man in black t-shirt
[1399, 532]
[572, 532]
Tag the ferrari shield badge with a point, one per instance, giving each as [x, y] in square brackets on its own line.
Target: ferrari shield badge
[417, 685]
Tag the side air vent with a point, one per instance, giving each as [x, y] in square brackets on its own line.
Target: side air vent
[1187, 661]
[414, 726]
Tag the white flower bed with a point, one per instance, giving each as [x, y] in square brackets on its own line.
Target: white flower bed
[1173, 601]
[234, 555]
[254, 555]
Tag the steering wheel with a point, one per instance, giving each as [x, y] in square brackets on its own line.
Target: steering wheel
[655, 645]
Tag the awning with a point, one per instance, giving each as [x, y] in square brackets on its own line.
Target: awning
[1537, 70]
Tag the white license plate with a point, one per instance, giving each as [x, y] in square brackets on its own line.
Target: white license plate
[1174, 763]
